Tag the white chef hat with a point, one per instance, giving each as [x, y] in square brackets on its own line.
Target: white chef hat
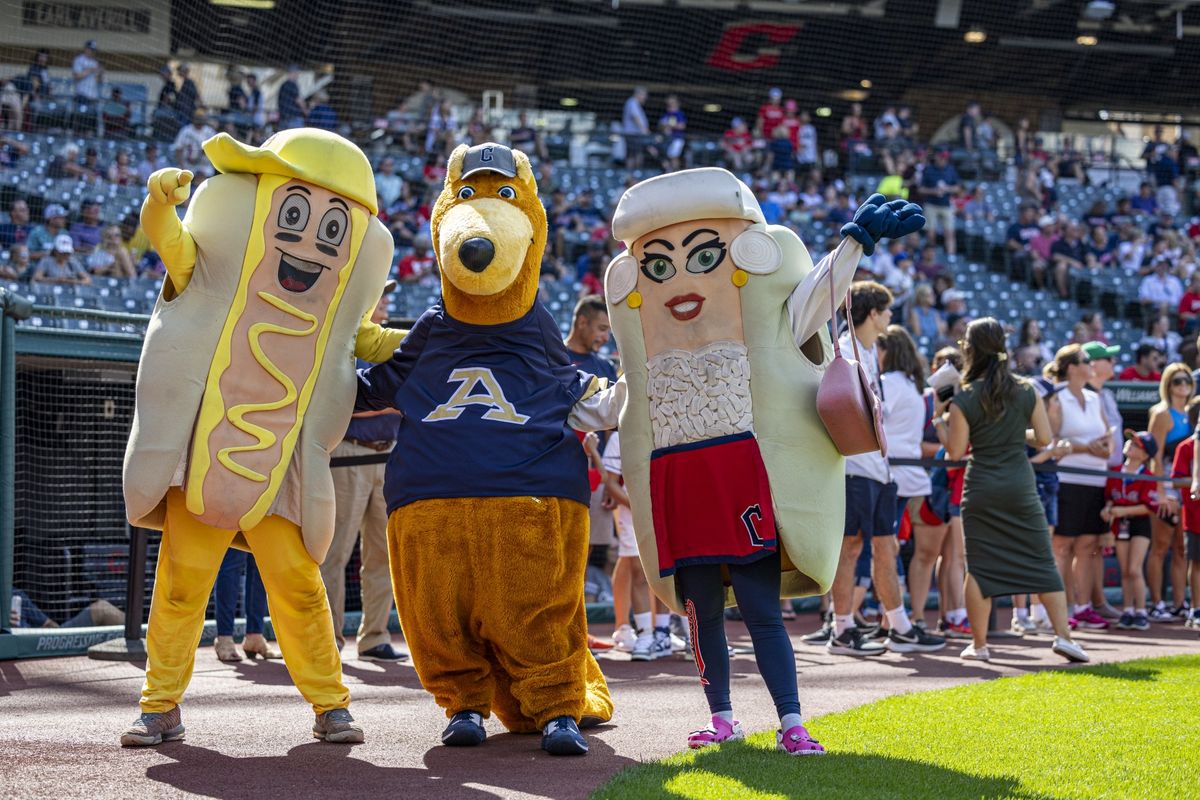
[693, 194]
[706, 193]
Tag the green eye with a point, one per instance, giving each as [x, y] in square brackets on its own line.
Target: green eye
[705, 259]
[657, 268]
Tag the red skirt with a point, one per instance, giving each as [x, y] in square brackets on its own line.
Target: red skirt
[712, 503]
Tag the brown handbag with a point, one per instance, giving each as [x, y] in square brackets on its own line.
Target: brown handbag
[846, 402]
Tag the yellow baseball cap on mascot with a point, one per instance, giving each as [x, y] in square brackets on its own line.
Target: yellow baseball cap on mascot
[308, 154]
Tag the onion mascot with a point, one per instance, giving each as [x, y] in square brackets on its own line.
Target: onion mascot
[736, 488]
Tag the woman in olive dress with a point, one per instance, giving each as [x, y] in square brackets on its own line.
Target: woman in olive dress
[1008, 541]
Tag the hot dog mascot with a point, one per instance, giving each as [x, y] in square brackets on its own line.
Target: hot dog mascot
[735, 486]
[246, 383]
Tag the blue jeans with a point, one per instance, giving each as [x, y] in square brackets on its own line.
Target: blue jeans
[229, 585]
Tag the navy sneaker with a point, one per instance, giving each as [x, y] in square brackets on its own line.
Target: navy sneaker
[383, 652]
[561, 737]
[465, 730]
[1140, 622]
[1125, 623]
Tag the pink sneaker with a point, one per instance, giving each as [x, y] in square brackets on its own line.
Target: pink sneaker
[1088, 618]
[719, 731]
[795, 741]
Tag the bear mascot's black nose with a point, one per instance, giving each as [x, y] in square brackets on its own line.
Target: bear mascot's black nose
[476, 253]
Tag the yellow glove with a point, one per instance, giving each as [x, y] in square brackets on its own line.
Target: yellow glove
[168, 187]
[376, 343]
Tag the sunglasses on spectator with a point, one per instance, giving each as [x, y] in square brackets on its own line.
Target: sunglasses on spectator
[1083, 361]
[1180, 381]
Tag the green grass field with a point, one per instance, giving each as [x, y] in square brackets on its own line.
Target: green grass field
[1123, 731]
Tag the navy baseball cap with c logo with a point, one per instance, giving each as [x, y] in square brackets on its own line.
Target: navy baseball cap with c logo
[489, 157]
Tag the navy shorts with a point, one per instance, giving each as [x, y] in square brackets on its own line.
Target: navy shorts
[870, 507]
[862, 569]
[1193, 549]
[1049, 497]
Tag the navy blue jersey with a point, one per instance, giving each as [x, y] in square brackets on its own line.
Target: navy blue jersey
[594, 363]
[485, 410]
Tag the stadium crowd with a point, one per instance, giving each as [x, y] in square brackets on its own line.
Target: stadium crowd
[1145, 239]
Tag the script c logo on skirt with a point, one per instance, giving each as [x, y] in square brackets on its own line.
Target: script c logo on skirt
[712, 503]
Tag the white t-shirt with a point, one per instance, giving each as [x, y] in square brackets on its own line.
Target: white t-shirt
[612, 463]
[904, 425]
[1081, 424]
[89, 86]
[867, 465]
[190, 142]
[806, 153]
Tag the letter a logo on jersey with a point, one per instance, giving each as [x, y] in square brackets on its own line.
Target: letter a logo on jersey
[491, 395]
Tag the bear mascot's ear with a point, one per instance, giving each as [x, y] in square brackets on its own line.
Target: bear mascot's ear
[524, 168]
[454, 168]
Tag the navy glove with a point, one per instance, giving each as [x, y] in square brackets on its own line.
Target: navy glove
[877, 220]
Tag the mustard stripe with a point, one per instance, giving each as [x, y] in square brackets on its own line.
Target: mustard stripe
[359, 224]
[237, 414]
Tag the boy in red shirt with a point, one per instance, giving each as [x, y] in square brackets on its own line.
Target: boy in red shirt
[1131, 501]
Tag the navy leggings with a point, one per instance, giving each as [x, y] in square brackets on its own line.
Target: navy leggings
[239, 563]
[757, 588]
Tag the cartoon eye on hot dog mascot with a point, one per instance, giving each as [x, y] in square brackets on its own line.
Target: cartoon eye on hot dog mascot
[487, 489]
[735, 486]
[246, 382]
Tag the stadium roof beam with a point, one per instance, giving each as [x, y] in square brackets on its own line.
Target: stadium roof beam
[1035, 43]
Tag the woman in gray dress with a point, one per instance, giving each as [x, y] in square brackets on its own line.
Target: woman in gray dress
[1008, 541]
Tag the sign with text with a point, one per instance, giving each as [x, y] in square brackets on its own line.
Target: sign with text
[134, 26]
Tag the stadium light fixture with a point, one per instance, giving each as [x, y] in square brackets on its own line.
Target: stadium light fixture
[975, 36]
[1086, 40]
[569, 102]
[261, 5]
[866, 84]
[712, 108]
[824, 111]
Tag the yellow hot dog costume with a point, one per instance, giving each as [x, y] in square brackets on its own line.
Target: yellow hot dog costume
[245, 385]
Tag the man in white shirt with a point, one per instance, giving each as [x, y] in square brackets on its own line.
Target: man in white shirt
[1161, 291]
[635, 126]
[189, 146]
[87, 73]
[871, 508]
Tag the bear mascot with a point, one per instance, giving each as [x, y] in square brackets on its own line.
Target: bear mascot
[246, 382]
[487, 489]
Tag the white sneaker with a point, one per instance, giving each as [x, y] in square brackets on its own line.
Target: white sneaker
[1022, 627]
[1042, 627]
[662, 643]
[973, 653]
[1070, 650]
[679, 644]
[643, 648]
[623, 639]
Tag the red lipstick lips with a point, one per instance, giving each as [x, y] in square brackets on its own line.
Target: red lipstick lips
[685, 306]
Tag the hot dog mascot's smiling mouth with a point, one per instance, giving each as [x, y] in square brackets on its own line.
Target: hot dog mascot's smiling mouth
[296, 274]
